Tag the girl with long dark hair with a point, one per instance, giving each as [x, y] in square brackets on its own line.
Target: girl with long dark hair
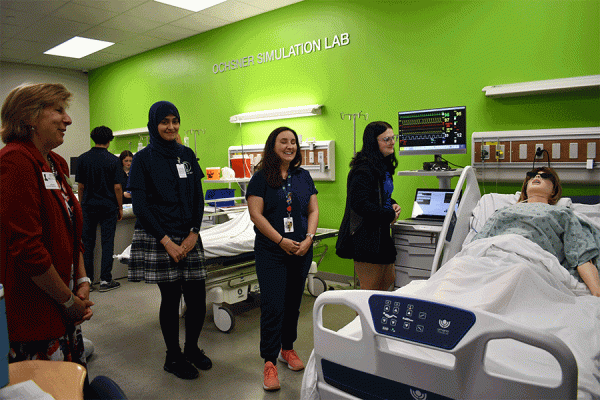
[365, 234]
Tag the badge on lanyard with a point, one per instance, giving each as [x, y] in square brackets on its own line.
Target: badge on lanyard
[181, 169]
[288, 223]
[50, 180]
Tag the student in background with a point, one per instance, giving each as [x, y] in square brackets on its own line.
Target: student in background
[166, 189]
[282, 200]
[365, 234]
[99, 187]
[126, 157]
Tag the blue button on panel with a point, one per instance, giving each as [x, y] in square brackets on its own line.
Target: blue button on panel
[426, 322]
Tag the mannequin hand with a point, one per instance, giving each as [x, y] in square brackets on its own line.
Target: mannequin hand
[289, 246]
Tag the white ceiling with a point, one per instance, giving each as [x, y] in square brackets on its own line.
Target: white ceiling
[30, 27]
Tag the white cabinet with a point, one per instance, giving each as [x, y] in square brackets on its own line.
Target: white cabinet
[415, 247]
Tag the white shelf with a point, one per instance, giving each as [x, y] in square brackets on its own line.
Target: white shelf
[235, 180]
[135, 131]
[547, 86]
[444, 176]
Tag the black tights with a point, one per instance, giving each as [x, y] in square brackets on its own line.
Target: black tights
[194, 293]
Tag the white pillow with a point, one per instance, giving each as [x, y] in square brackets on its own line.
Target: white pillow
[588, 212]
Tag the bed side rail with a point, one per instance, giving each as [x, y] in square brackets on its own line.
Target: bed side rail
[446, 333]
[456, 225]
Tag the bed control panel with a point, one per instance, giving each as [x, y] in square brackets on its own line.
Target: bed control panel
[420, 321]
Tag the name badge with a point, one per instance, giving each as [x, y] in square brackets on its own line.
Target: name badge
[181, 171]
[288, 225]
[50, 180]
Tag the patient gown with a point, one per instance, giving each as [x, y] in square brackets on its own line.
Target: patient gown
[555, 229]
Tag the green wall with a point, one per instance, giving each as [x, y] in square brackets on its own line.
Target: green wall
[401, 55]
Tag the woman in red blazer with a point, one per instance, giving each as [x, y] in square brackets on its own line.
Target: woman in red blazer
[41, 262]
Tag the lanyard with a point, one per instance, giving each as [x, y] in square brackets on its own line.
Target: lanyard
[288, 185]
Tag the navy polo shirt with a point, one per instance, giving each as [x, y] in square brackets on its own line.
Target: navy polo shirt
[275, 204]
[99, 171]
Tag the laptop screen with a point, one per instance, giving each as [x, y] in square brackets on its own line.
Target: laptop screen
[432, 203]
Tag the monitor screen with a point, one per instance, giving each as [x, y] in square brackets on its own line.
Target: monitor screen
[434, 131]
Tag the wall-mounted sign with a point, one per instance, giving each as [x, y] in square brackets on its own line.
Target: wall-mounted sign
[295, 50]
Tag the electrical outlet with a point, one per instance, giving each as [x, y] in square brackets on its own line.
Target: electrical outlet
[321, 157]
[485, 152]
[311, 157]
[500, 152]
[539, 147]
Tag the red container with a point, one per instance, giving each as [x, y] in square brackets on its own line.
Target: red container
[238, 166]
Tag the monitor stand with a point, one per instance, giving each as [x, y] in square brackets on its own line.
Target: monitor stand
[437, 165]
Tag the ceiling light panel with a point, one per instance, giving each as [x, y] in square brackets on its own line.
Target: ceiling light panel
[78, 47]
[192, 5]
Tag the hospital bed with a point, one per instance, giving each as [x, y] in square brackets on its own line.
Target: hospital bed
[229, 251]
[516, 327]
[231, 274]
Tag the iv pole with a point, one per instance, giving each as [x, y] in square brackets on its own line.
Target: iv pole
[354, 117]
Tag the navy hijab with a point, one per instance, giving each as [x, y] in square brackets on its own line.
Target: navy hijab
[158, 111]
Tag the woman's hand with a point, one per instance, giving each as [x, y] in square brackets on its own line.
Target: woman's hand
[304, 247]
[189, 243]
[88, 312]
[397, 210]
[175, 251]
[80, 310]
[83, 291]
[289, 246]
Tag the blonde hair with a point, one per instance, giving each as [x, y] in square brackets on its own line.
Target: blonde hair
[556, 193]
[23, 106]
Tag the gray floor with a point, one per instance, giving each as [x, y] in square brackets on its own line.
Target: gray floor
[129, 348]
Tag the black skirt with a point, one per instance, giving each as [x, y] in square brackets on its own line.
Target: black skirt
[367, 245]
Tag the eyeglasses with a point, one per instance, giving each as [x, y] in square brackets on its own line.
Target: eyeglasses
[388, 139]
[543, 175]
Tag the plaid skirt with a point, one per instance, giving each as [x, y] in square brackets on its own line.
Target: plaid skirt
[150, 262]
[66, 348]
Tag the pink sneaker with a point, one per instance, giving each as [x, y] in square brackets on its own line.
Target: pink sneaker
[291, 359]
[271, 381]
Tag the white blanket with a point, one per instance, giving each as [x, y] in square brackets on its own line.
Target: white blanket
[224, 240]
[514, 277]
[230, 238]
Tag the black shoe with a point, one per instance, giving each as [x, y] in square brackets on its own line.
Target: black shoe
[180, 367]
[199, 359]
[106, 286]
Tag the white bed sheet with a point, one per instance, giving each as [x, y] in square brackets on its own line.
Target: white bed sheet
[514, 277]
[228, 239]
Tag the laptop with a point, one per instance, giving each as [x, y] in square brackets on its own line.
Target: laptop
[431, 206]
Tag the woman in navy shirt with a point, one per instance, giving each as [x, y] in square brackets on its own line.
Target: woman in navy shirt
[282, 200]
[166, 189]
